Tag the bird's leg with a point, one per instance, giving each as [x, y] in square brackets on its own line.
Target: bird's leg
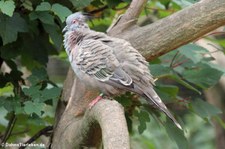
[93, 102]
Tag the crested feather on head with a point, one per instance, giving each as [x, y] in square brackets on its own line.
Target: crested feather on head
[76, 21]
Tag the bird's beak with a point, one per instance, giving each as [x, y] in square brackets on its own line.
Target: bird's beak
[65, 29]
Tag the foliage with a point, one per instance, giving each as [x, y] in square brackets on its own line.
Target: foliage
[30, 33]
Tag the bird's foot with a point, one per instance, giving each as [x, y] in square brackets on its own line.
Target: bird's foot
[93, 102]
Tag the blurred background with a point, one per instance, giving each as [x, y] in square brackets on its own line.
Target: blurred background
[34, 65]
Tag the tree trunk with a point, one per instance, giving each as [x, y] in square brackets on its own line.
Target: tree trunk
[76, 126]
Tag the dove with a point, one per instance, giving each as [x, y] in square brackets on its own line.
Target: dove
[108, 64]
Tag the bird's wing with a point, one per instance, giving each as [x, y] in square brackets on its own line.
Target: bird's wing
[135, 65]
[98, 60]
[132, 62]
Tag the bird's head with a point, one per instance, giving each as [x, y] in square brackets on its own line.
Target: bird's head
[76, 21]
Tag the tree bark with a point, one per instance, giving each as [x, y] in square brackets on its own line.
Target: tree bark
[177, 29]
[74, 127]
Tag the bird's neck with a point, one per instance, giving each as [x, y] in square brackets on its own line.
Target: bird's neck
[72, 38]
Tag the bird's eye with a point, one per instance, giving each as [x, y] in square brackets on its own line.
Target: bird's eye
[74, 21]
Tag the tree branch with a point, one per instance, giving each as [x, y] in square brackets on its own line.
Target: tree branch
[81, 132]
[9, 128]
[178, 29]
[128, 19]
[152, 41]
[37, 135]
[114, 135]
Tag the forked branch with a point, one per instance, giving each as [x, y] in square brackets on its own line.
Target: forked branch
[74, 129]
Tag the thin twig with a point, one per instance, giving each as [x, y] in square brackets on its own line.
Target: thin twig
[172, 65]
[20, 132]
[185, 100]
[180, 63]
[209, 34]
[122, 8]
[1, 61]
[213, 33]
[172, 61]
[158, 9]
[9, 128]
[37, 135]
[98, 10]
[106, 7]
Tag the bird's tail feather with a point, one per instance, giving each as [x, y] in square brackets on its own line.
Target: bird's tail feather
[151, 96]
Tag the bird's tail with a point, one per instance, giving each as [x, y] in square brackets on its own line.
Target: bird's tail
[152, 96]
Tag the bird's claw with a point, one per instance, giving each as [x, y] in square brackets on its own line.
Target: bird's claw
[93, 102]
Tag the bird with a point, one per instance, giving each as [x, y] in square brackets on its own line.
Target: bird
[109, 64]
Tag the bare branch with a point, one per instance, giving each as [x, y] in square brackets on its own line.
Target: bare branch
[9, 128]
[76, 133]
[37, 135]
[129, 18]
[133, 11]
[178, 29]
[152, 41]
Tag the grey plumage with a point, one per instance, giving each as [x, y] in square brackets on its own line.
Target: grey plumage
[107, 63]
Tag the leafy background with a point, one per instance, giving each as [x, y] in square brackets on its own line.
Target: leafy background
[34, 65]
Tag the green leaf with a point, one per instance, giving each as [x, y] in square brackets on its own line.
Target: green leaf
[184, 83]
[52, 93]
[143, 117]
[100, 24]
[203, 75]
[44, 16]
[35, 50]
[44, 6]
[33, 107]
[176, 134]
[7, 90]
[80, 3]
[165, 2]
[204, 109]
[193, 52]
[97, 3]
[183, 3]
[170, 89]
[9, 51]
[55, 34]
[129, 122]
[61, 11]
[161, 71]
[168, 92]
[3, 120]
[113, 3]
[158, 70]
[28, 5]
[38, 75]
[33, 92]
[7, 7]
[12, 104]
[124, 99]
[215, 66]
[10, 26]
[34, 119]
[221, 41]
